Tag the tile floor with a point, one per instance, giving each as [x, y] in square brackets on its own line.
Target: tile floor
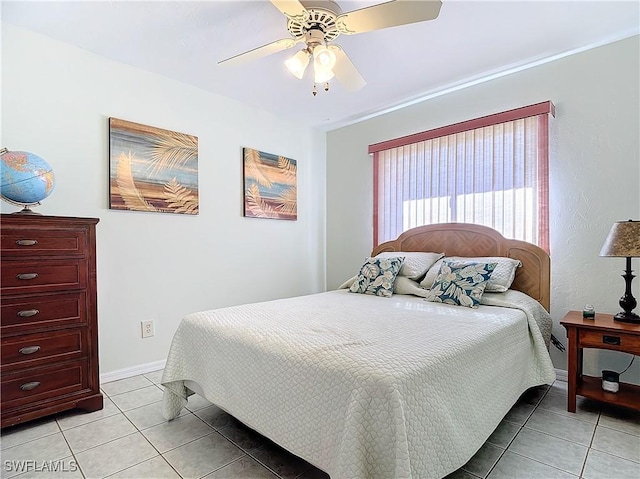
[130, 439]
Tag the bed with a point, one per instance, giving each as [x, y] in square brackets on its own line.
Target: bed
[369, 387]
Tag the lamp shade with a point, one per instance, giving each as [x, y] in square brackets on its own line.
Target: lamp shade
[623, 240]
[321, 75]
[324, 57]
[323, 62]
[298, 63]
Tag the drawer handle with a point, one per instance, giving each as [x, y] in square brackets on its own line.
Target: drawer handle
[29, 350]
[27, 275]
[30, 386]
[612, 340]
[26, 242]
[27, 313]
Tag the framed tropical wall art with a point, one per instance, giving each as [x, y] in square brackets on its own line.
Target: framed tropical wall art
[152, 169]
[270, 186]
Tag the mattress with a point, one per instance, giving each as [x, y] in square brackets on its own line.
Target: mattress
[363, 386]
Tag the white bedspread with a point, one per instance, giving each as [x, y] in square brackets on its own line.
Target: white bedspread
[363, 386]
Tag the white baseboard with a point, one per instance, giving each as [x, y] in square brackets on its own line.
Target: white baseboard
[132, 371]
[562, 375]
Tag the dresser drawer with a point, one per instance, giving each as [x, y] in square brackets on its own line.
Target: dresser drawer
[24, 314]
[31, 242]
[42, 276]
[30, 350]
[36, 384]
[610, 340]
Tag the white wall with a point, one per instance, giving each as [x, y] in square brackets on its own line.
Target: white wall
[594, 174]
[56, 102]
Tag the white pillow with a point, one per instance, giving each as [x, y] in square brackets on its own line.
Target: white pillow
[501, 278]
[416, 263]
[348, 283]
[405, 285]
[431, 275]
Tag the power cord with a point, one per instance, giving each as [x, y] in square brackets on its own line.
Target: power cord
[557, 343]
[625, 369]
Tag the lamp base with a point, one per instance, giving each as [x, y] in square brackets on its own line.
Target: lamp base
[627, 317]
[627, 302]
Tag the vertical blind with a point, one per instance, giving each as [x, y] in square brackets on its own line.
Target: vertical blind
[491, 171]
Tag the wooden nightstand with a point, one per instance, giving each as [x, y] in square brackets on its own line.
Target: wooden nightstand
[601, 333]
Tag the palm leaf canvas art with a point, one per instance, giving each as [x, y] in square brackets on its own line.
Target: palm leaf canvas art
[270, 186]
[152, 169]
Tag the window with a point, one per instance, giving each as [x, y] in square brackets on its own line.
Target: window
[491, 171]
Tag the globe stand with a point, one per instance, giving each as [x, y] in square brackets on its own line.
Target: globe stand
[26, 210]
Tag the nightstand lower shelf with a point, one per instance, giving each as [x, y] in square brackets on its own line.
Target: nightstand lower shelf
[591, 387]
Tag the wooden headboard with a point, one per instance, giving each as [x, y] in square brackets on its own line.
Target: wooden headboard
[462, 239]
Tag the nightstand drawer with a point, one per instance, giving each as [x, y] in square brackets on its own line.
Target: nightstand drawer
[32, 242]
[38, 349]
[37, 384]
[616, 340]
[43, 276]
[24, 314]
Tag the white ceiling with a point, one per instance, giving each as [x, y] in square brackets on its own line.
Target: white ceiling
[184, 40]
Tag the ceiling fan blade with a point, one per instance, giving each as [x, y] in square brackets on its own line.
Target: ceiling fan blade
[346, 72]
[291, 8]
[263, 51]
[385, 15]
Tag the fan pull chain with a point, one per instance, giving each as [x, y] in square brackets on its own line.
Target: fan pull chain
[315, 90]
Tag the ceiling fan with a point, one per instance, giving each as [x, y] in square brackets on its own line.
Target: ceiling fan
[316, 23]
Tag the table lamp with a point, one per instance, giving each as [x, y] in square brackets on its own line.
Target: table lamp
[624, 241]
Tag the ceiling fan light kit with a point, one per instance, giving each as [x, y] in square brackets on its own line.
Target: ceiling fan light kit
[317, 23]
[323, 59]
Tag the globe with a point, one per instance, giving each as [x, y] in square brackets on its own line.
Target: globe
[26, 179]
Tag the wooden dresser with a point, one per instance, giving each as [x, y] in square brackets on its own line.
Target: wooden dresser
[49, 324]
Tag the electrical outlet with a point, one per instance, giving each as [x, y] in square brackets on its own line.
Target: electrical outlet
[147, 328]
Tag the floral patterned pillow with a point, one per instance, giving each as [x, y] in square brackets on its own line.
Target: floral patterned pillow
[502, 276]
[461, 284]
[377, 276]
